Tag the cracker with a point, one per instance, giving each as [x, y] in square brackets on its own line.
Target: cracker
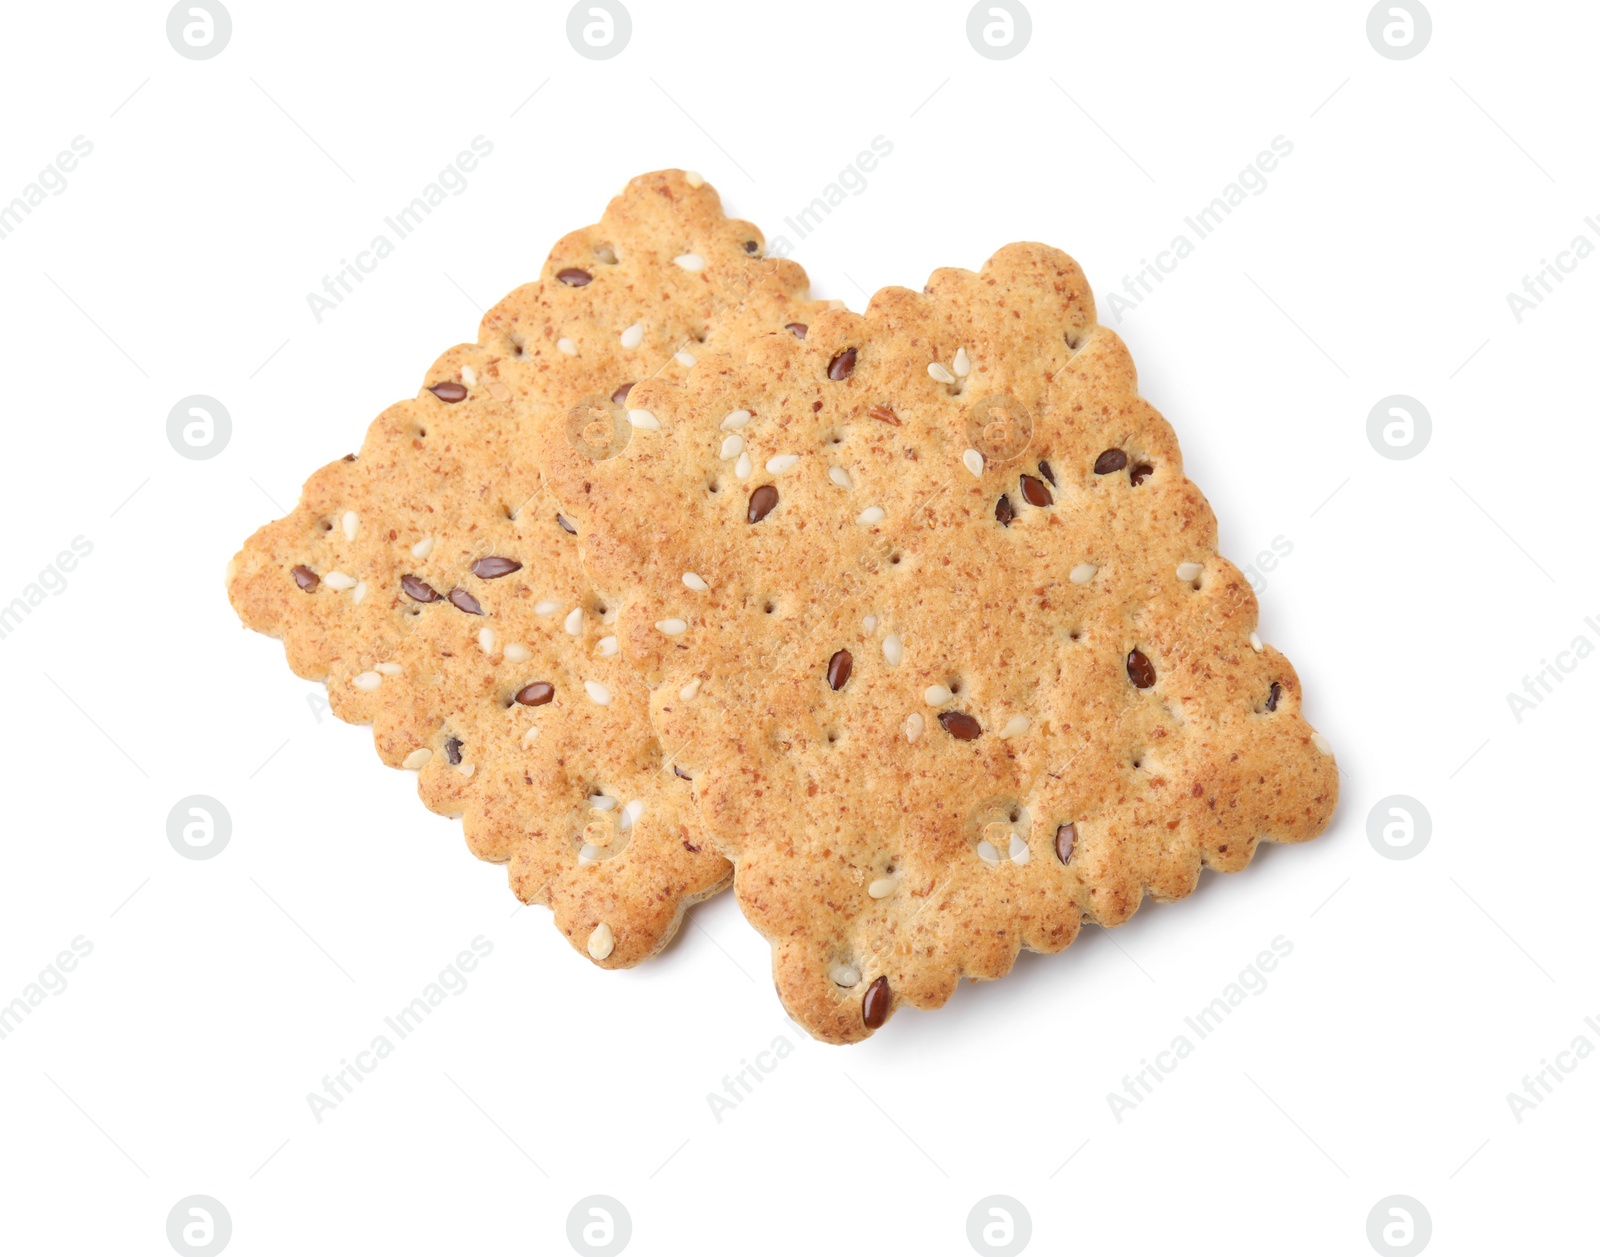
[378, 583]
[1054, 703]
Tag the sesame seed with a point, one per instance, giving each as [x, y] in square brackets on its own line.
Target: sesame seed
[530, 735]
[338, 580]
[359, 592]
[466, 770]
[367, 681]
[516, 652]
[840, 477]
[732, 445]
[1082, 574]
[961, 364]
[941, 373]
[936, 694]
[597, 692]
[872, 515]
[988, 854]
[780, 463]
[1321, 743]
[350, 523]
[743, 467]
[546, 606]
[672, 627]
[630, 814]
[735, 419]
[1014, 726]
[695, 583]
[690, 261]
[632, 336]
[845, 975]
[606, 646]
[883, 887]
[644, 419]
[1188, 571]
[913, 726]
[973, 462]
[588, 854]
[422, 549]
[574, 621]
[683, 358]
[486, 641]
[1019, 850]
[893, 650]
[567, 347]
[869, 623]
[417, 758]
[690, 690]
[389, 669]
[1255, 643]
[602, 802]
[693, 179]
[469, 377]
[601, 941]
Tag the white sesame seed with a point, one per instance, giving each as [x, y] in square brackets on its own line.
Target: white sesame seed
[338, 580]
[574, 621]
[597, 692]
[684, 358]
[913, 726]
[567, 347]
[516, 652]
[359, 592]
[735, 419]
[988, 854]
[486, 641]
[389, 669]
[780, 463]
[606, 254]
[690, 690]
[546, 606]
[630, 814]
[602, 802]
[588, 854]
[961, 364]
[422, 548]
[883, 887]
[973, 462]
[417, 758]
[872, 515]
[690, 261]
[941, 373]
[732, 446]
[606, 646]
[869, 624]
[367, 681]
[632, 336]
[1321, 743]
[744, 466]
[1082, 574]
[1016, 725]
[466, 770]
[469, 377]
[934, 695]
[693, 179]
[1255, 643]
[530, 735]
[1019, 850]
[845, 975]
[643, 419]
[601, 941]
[840, 477]
[673, 626]
[695, 583]
[894, 650]
[1188, 571]
[351, 523]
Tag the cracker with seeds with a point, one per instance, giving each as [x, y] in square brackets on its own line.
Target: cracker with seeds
[434, 584]
[952, 659]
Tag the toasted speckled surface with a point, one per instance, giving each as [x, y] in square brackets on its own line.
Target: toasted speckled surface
[466, 478]
[815, 793]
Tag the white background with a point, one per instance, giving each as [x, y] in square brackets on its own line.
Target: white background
[1377, 262]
